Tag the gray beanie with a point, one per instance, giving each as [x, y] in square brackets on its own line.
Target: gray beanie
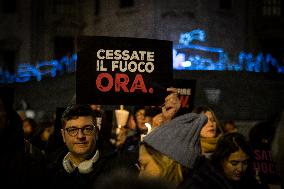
[179, 138]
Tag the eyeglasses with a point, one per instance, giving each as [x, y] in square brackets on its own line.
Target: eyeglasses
[86, 130]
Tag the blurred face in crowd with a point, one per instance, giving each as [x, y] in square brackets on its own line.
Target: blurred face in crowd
[22, 114]
[209, 130]
[147, 165]
[230, 128]
[80, 136]
[131, 122]
[28, 129]
[95, 107]
[46, 133]
[158, 120]
[235, 165]
[141, 120]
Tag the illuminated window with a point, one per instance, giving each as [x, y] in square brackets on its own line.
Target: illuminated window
[271, 8]
[126, 3]
[225, 4]
[8, 6]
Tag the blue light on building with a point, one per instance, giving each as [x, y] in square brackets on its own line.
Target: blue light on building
[26, 72]
[188, 56]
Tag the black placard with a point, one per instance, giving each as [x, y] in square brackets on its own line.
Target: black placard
[186, 93]
[118, 70]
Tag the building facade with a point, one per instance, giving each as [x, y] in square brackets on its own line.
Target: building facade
[35, 32]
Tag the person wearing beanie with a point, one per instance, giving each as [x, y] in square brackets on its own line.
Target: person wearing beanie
[141, 123]
[170, 151]
[211, 132]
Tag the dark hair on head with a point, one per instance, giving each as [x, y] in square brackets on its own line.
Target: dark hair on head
[228, 144]
[229, 122]
[152, 110]
[262, 134]
[32, 122]
[75, 110]
[204, 109]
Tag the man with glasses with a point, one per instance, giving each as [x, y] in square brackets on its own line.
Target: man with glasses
[82, 163]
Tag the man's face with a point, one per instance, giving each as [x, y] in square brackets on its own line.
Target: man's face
[229, 128]
[235, 165]
[81, 144]
[209, 130]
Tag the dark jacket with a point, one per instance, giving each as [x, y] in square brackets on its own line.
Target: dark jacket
[207, 176]
[58, 177]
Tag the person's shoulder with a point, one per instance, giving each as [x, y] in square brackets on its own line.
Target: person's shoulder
[107, 159]
[204, 175]
[202, 162]
[53, 160]
[251, 181]
[126, 180]
[116, 161]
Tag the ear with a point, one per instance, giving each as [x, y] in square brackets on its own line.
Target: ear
[63, 135]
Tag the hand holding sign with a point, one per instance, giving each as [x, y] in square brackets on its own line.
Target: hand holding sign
[172, 104]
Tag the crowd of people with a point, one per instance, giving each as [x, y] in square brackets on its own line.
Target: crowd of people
[159, 147]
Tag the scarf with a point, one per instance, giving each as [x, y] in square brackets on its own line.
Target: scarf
[208, 145]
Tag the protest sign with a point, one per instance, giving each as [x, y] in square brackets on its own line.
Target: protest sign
[186, 93]
[118, 70]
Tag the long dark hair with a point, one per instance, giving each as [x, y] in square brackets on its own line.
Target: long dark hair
[228, 144]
